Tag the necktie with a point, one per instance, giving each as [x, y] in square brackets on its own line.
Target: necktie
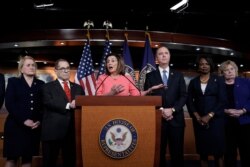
[67, 90]
[165, 78]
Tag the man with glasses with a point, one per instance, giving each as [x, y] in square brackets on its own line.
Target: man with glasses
[58, 131]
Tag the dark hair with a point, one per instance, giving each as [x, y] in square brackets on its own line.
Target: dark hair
[161, 46]
[58, 61]
[209, 61]
[120, 65]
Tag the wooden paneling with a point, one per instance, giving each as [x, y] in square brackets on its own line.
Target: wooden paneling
[189, 145]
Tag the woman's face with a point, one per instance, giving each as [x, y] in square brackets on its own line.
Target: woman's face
[204, 67]
[112, 64]
[229, 72]
[29, 67]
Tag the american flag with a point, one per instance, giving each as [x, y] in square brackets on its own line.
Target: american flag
[85, 75]
[107, 50]
[148, 63]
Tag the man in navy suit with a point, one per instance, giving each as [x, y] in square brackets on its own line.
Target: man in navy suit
[174, 96]
[58, 131]
[2, 89]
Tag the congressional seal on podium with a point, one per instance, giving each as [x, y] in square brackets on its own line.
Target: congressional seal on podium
[118, 138]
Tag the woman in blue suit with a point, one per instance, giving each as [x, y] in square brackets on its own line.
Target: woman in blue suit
[237, 115]
[206, 101]
[22, 126]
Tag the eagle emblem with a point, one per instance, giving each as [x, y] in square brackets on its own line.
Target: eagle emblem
[117, 139]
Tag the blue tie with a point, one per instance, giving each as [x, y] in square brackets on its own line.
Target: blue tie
[165, 78]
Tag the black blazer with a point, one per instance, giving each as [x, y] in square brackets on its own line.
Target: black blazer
[2, 89]
[213, 100]
[56, 118]
[174, 96]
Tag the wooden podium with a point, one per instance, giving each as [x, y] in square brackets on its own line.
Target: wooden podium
[95, 113]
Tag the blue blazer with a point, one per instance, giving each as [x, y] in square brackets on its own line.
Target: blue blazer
[242, 98]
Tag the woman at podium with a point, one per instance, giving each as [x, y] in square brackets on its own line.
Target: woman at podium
[115, 82]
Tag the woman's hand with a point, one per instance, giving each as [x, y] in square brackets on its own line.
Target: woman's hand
[234, 112]
[116, 89]
[30, 123]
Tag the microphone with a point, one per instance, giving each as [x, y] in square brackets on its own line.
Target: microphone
[101, 84]
[132, 84]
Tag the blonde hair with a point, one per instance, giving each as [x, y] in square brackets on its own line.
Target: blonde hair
[21, 63]
[224, 66]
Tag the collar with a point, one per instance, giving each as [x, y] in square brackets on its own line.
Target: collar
[61, 81]
[161, 69]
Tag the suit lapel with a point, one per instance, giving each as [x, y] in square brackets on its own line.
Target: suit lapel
[72, 90]
[198, 85]
[170, 77]
[210, 83]
[60, 90]
[158, 76]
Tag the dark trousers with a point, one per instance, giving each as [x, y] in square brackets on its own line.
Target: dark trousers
[52, 148]
[237, 136]
[173, 137]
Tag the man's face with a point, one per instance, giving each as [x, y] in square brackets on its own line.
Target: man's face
[163, 56]
[63, 70]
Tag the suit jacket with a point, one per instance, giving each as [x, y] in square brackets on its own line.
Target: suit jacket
[22, 102]
[213, 100]
[174, 96]
[2, 89]
[242, 98]
[56, 118]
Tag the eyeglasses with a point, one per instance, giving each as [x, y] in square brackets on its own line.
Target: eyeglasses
[63, 69]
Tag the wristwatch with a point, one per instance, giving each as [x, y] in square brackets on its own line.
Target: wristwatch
[173, 110]
[211, 115]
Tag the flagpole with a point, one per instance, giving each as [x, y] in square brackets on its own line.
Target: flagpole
[107, 49]
[85, 75]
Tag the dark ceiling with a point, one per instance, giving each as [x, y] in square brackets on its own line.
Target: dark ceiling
[217, 18]
[212, 18]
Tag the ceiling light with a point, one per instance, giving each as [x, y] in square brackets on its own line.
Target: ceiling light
[44, 5]
[180, 6]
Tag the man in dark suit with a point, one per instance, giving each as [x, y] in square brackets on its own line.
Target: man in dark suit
[2, 89]
[174, 96]
[58, 131]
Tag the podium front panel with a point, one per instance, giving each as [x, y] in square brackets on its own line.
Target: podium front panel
[143, 119]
